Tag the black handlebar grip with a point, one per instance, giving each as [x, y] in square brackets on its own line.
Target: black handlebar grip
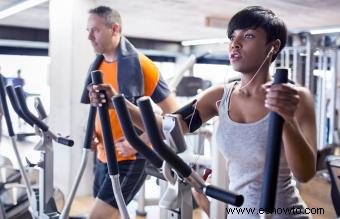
[106, 129]
[40, 108]
[273, 148]
[151, 127]
[224, 196]
[22, 102]
[14, 101]
[130, 133]
[90, 127]
[65, 141]
[5, 107]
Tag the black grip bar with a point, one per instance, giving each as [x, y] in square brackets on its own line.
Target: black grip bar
[36, 121]
[224, 196]
[273, 148]
[106, 129]
[40, 108]
[22, 103]
[15, 104]
[65, 141]
[130, 132]
[154, 134]
[175, 161]
[5, 107]
[90, 127]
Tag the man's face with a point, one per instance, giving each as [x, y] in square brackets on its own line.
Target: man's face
[100, 35]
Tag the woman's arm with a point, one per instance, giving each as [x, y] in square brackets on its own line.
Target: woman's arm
[206, 104]
[295, 105]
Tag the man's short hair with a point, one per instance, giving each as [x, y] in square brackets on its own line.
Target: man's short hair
[109, 15]
[258, 17]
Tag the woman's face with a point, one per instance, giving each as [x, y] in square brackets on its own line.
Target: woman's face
[247, 49]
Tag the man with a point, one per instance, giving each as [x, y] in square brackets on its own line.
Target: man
[133, 74]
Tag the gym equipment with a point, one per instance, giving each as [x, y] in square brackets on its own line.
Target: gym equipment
[19, 81]
[273, 148]
[29, 190]
[175, 137]
[44, 206]
[315, 65]
[177, 198]
[188, 176]
[48, 151]
[328, 150]
[189, 63]
[110, 150]
[86, 150]
[189, 86]
[5, 161]
[177, 163]
[333, 166]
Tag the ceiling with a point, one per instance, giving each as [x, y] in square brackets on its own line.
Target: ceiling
[178, 20]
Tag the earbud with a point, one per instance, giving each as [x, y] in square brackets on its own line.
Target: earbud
[271, 52]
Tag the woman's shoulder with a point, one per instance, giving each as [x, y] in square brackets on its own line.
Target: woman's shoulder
[304, 93]
[306, 101]
[213, 91]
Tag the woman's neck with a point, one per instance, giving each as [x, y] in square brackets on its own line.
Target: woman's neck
[251, 84]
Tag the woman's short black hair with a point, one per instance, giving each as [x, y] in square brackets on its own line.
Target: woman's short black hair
[258, 17]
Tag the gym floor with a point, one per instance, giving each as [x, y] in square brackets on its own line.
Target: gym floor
[316, 193]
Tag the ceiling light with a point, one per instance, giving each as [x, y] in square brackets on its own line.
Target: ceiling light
[325, 30]
[20, 7]
[205, 41]
[24, 44]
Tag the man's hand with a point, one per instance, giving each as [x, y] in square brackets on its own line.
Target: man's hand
[124, 148]
[94, 142]
[101, 93]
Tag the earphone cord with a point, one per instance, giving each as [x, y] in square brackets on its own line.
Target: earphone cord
[192, 115]
[258, 70]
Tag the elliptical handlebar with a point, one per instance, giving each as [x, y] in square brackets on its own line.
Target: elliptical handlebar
[22, 103]
[130, 132]
[223, 196]
[90, 127]
[177, 163]
[13, 99]
[109, 146]
[106, 129]
[154, 134]
[273, 148]
[40, 108]
[65, 141]
[5, 107]
[18, 101]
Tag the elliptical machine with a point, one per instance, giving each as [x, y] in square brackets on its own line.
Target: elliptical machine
[185, 175]
[42, 203]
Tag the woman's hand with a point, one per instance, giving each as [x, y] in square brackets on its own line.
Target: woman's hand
[101, 93]
[282, 99]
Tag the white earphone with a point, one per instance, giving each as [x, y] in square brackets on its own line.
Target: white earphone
[271, 52]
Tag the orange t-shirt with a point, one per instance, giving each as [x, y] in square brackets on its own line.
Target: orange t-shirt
[151, 77]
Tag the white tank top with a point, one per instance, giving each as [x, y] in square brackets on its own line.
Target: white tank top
[243, 146]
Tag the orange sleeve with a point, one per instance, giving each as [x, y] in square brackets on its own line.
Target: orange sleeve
[150, 73]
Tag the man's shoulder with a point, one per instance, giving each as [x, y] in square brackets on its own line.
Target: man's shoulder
[147, 65]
